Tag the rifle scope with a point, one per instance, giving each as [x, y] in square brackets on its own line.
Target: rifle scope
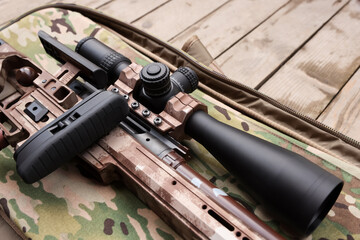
[158, 86]
[296, 191]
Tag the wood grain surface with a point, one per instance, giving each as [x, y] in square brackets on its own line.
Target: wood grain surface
[309, 81]
[11, 9]
[87, 3]
[130, 10]
[224, 27]
[343, 113]
[175, 16]
[253, 59]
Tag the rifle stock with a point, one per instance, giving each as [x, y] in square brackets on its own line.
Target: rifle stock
[141, 147]
[117, 156]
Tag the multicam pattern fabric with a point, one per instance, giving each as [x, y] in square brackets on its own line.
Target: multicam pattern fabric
[68, 204]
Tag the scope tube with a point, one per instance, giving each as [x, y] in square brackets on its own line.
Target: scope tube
[296, 191]
[103, 56]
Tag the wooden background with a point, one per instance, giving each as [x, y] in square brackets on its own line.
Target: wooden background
[305, 54]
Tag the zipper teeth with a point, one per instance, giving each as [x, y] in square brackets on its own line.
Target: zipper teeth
[298, 114]
[318, 124]
[289, 110]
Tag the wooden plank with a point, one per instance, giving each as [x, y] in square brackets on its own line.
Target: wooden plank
[175, 16]
[256, 56]
[87, 3]
[130, 10]
[11, 9]
[343, 113]
[309, 81]
[232, 21]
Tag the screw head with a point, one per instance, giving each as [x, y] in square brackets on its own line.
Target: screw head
[134, 105]
[146, 113]
[43, 81]
[126, 96]
[115, 90]
[157, 121]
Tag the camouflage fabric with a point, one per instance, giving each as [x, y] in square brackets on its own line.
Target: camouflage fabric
[69, 205]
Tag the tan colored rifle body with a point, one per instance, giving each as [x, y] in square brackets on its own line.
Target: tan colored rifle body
[166, 185]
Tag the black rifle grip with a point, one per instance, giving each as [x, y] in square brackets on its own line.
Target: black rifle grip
[70, 134]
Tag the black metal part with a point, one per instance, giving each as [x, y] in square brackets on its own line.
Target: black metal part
[149, 137]
[156, 79]
[36, 111]
[82, 89]
[182, 80]
[298, 192]
[88, 70]
[100, 54]
[186, 79]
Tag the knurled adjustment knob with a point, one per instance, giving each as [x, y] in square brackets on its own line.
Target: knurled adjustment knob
[155, 79]
[186, 79]
[103, 56]
[190, 76]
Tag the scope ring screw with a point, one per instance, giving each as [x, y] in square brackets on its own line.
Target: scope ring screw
[126, 96]
[134, 105]
[157, 121]
[146, 113]
[115, 90]
[43, 81]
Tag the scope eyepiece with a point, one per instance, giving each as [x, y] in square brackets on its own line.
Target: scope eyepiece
[186, 79]
[103, 56]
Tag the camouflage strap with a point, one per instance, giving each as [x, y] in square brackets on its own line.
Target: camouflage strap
[70, 205]
[8, 230]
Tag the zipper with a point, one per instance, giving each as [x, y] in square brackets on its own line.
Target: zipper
[268, 99]
[93, 13]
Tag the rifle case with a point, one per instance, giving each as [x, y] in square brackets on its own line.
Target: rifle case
[69, 205]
